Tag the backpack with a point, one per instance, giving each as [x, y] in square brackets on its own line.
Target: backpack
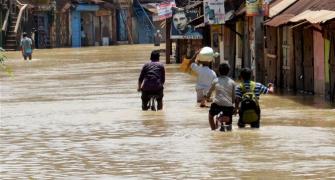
[249, 111]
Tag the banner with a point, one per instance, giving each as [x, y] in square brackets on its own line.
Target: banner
[254, 7]
[214, 12]
[164, 10]
[181, 27]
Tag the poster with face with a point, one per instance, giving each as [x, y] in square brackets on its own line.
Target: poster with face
[181, 27]
[214, 12]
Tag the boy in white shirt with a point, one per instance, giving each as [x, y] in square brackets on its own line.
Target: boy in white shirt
[205, 77]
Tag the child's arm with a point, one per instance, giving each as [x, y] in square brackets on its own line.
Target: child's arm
[238, 95]
[194, 57]
[210, 91]
[140, 79]
[270, 88]
[264, 89]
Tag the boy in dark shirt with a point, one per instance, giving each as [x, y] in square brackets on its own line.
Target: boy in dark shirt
[151, 81]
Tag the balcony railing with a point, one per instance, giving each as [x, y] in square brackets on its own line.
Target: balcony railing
[22, 8]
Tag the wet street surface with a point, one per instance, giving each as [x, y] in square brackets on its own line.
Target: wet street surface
[76, 114]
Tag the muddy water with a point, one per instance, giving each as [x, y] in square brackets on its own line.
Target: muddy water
[75, 114]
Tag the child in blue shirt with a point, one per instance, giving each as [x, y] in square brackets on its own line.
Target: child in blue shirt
[249, 91]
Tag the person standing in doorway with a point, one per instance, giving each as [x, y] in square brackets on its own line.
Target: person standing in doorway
[157, 38]
[33, 37]
[83, 37]
[26, 47]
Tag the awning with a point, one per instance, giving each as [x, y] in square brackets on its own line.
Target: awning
[151, 7]
[241, 10]
[314, 16]
[277, 8]
[97, 1]
[279, 20]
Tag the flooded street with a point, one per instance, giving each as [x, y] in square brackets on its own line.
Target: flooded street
[76, 114]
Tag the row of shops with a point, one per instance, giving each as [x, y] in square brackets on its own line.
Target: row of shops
[300, 47]
[291, 45]
[76, 23]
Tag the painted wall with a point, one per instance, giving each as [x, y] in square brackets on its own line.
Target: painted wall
[327, 51]
[239, 48]
[308, 60]
[319, 63]
[122, 16]
[76, 31]
[76, 22]
[97, 35]
[271, 55]
[88, 28]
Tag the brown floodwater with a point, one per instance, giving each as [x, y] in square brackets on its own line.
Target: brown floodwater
[76, 114]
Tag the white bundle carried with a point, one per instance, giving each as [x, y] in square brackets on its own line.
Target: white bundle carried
[207, 54]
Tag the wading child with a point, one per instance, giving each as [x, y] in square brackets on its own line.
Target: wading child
[224, 98]
[247, 96]
[205, 75]
[26, 47]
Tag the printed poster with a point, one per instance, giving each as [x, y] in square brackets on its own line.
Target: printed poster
[214, 12]
[181, 28]
[164, 10]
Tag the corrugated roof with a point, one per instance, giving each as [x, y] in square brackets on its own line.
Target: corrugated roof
[279, 20]
[151, 7]
[275, 2]
[299, 7]
[280, 6]
[314, 16]
[242, 9]
[324, 5]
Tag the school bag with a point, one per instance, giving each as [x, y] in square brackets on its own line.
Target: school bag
[249, 104]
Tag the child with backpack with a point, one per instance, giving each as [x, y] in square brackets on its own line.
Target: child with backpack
[247, 96]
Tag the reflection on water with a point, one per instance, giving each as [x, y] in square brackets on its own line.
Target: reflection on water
[75, 113]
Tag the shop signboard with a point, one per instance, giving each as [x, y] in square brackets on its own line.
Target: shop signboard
[254, 7]
[164, 10]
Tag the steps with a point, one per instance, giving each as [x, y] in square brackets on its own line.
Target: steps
[10, 39]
